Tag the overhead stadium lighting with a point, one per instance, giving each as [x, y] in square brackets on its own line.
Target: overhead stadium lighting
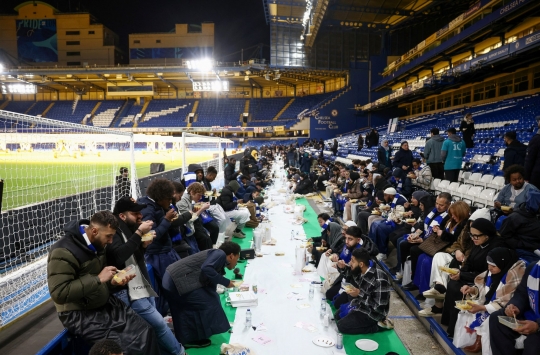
[19, 89]
[216, 85]
[200, 65]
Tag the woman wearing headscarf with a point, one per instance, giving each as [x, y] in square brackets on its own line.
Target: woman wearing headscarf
[493, 289]
[453, 257]
[403, 158]
[383, 154]
[467, 130]
[485, 238]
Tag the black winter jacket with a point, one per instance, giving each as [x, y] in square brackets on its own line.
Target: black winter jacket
[520, 230]
[532, 161]
[403, 157]
[153, 212]
[515, 154]
[226, 199]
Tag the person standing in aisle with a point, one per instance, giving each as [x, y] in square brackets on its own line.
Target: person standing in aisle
[360, 142]
[532, 160]
[467, 130]
[432, 153]
[452, 153]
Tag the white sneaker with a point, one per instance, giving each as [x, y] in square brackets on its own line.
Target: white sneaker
[239, 235]
[399, 275]
[433, 293]
[381, 257]
[426, 313]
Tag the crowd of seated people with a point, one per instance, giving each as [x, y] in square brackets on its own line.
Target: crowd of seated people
[449, 249]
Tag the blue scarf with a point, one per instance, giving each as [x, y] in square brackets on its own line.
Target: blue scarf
[482, 316]
[346, 254]
[88, 244]
[431, 221]
[344, 189]
[325, 225]
[397, 184]
[394, 201]
[533, 287]
[257, 210]
[189, 178]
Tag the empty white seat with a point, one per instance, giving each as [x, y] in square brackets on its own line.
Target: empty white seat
[434, 184]
[443, 186]
[486, 198]
[485, 180]
[497, 183]
[475, 178]
[466, 175]
[462, 191]
[473, 194]
[453, 187]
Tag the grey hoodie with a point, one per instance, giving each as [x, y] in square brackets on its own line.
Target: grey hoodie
[432, 150]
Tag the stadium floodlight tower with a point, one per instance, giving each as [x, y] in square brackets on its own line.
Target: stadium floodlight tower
[202, 65]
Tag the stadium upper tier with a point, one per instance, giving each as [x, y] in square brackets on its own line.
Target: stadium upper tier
[173, 112]
[491, 122]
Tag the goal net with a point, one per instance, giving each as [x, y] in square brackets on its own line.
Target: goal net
[53, 172]
[205, 151]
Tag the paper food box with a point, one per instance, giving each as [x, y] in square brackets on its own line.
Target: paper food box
[243, 299]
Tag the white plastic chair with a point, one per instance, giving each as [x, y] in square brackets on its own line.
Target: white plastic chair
[443, 186]
[485, 180]
[486, 198]
[462, 191]
[475, 178]
[466, 175]
[453, 187]
[434, 184]
[473, 194]
[497, 183]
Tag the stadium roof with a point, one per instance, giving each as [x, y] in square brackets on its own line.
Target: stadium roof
[175, 77]
[370, 14]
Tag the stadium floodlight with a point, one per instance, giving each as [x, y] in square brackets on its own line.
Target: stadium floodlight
[20, 88]
[1, 67]
[200, 64]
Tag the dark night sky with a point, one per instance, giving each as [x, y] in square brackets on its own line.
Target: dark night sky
[238, 23]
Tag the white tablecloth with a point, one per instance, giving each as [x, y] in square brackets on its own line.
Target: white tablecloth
[276, 309]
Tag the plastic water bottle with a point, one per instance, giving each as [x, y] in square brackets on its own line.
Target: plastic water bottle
[248, 319]
[292, 235]
[339, 342]
[323, 307]
[311, 291]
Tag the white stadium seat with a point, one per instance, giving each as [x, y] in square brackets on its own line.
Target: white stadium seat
[443, 186]
[452, 188]
[497, 183]
[434, 184]
[475, 178]
[485, 180]
[486, 198]
[473, 194]
[462, 191]
[466, 175]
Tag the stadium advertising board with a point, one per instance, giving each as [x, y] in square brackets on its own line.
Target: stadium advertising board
[525, 42]
[491, 56]
[279, 128]
[472, 10]
[37, 41]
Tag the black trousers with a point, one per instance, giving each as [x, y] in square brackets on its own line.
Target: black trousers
[450, 312]
[503, 339]
[452, 175]
[437, 170]
[363, 221]
[356, 322]
[334, 290]
[213, 228]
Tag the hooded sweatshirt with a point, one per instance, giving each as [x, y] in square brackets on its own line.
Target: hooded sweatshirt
[452, 152]
[515, 154]
[432, 150]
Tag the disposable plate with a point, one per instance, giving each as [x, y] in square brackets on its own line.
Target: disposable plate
[324, 342]
[366, 345]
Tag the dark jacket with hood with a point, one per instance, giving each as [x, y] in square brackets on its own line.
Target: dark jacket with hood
[153, 212]
[380, 186]
[192, 168]
[230, 173]
[72, 272]
[249, 164]
[515, 153]
[403, 157]
[520, 229]
[304, 186]
[119, 250]
[227, 198]
[432, 150]
[305, 163]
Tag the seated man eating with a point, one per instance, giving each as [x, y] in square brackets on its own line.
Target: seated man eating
[371, 300]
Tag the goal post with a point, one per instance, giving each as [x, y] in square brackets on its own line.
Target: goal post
[206, 151]
[53, 172]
